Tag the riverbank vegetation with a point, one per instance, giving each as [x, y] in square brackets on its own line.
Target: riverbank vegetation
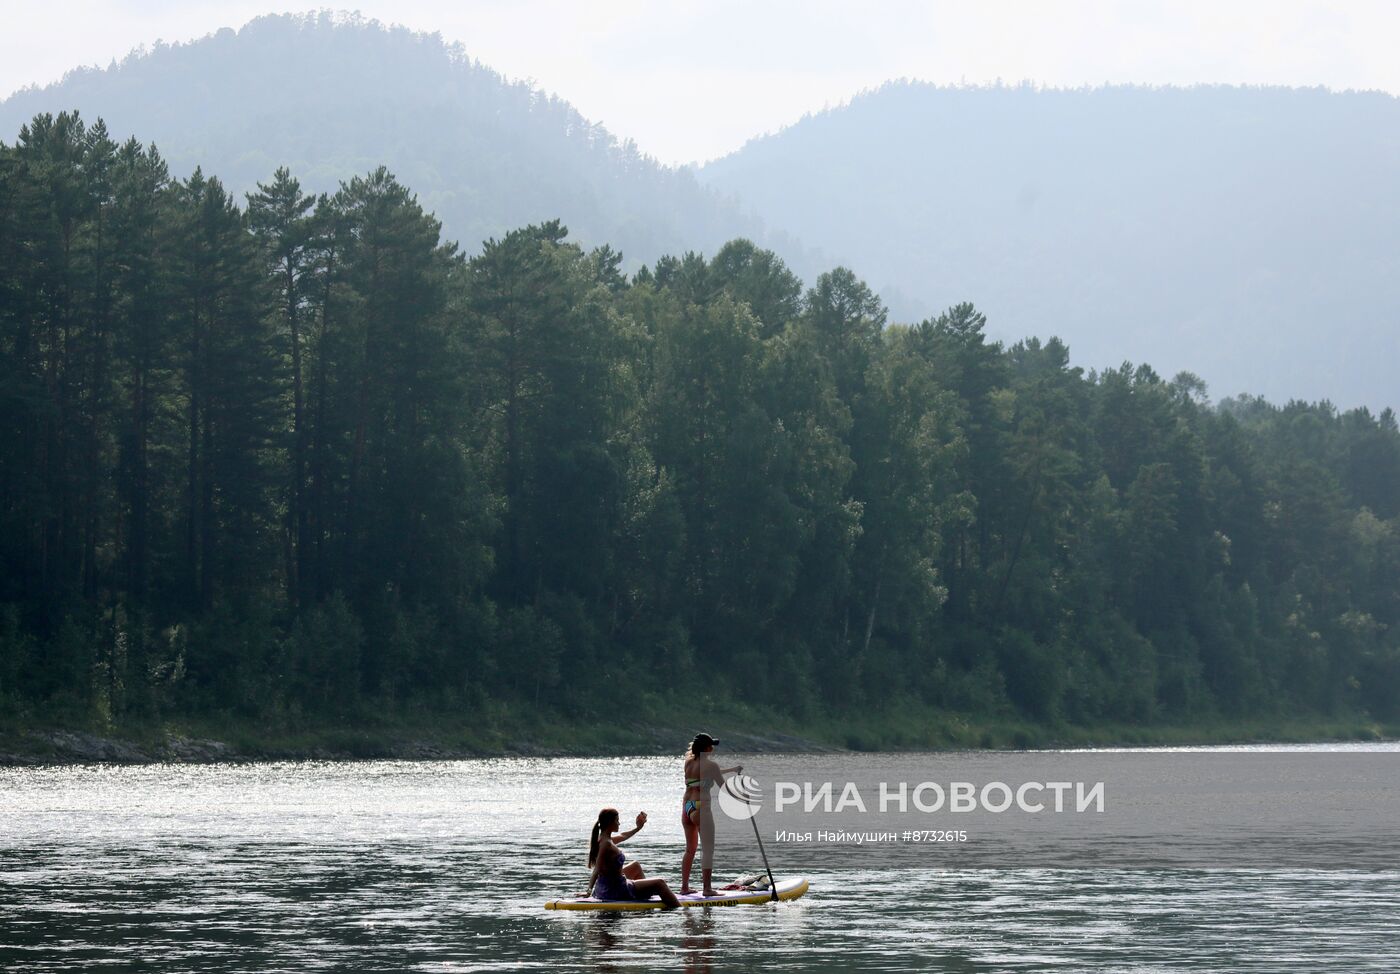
[436, 735]
[296, 463]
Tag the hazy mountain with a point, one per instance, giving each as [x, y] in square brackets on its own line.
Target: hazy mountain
[335, 96]
[1251, 235]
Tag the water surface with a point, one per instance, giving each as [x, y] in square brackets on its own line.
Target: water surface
[444, 866]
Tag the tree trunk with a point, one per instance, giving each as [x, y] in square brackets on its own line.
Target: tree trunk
[874, 602]
[317, 516]
[297, 563]
[1016, 549]
[192, 486]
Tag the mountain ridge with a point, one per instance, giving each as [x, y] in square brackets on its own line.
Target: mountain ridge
[332, 96]
[1250, 234]
[1170, 225]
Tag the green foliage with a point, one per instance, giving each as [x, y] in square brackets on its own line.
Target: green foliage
[324, 660]
[307, 465]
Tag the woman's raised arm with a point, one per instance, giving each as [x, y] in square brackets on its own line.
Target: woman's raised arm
[641, 820]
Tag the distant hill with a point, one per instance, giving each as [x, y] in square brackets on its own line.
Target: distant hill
[1251, 235]
[334, 96]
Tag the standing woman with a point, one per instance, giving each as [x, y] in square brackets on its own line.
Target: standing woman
[611, 878]
[702, 773]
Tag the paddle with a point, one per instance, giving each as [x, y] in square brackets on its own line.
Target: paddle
[749, 799]
[772, 885]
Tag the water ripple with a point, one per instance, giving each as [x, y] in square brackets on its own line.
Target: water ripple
[442, 867]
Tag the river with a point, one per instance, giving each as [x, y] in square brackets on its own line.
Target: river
[444, 866]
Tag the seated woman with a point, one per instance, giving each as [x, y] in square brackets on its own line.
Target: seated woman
[610, 879]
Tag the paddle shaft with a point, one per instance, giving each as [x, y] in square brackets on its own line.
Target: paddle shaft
[772, 886]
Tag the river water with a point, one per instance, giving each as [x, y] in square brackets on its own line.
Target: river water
[444, 866]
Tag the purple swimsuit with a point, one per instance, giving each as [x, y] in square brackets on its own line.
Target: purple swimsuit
[611, 884]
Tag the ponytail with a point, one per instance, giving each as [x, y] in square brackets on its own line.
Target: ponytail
[607, 814]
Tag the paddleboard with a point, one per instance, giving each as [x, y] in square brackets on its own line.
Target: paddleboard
[788, 889]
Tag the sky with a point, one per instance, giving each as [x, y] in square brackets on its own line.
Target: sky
[691, 81]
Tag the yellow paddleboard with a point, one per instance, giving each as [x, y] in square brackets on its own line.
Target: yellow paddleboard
[788, 889]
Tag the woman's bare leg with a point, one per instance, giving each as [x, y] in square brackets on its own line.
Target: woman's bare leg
[706, 828]
[646, 887]
[633, 870]
[692, 837]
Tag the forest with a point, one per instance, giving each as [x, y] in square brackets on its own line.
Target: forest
[294, 459]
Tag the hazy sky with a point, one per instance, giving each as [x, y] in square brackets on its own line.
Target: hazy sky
[693, 80]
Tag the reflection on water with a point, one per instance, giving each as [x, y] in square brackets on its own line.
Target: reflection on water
[444, 867]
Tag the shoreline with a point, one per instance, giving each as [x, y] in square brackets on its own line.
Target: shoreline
[56, 746]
